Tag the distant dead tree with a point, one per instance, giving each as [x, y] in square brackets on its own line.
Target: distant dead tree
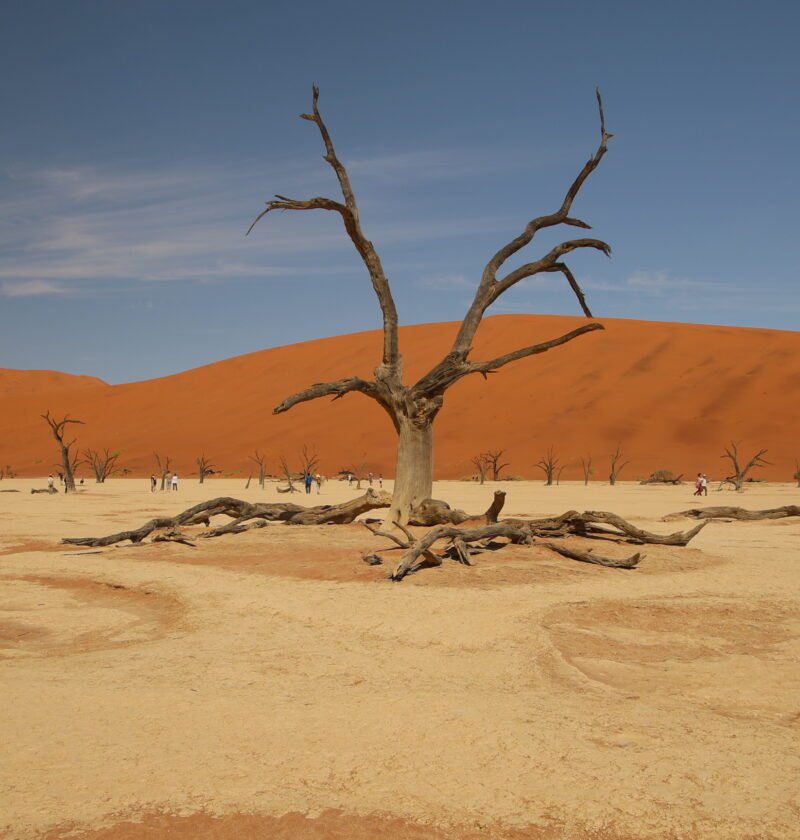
[68, 462]
[616, 466]
[412, 409]
[662, 477]
[204, 468]
[548, 465]
[287, 474]
[261, 461]
[493, 459]
[588, 471]
[481, 464]
[7, 472]
[358, 470]
[558, 474]
[103, 463]
[309, 459]
[796, 475]
[164, 462]
[739, 475]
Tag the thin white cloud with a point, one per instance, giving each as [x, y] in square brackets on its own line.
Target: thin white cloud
[445, 282]
[32, 288]
[649, 283]
[86, 227]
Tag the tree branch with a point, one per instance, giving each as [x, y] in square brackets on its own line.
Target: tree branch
[329, 389]
[533, 350]
[548, 262]
[280, 202]
[352, 223]
[452, 367]
[486, 292]
[564, 269]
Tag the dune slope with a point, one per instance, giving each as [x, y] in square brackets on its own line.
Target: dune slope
[670, 394]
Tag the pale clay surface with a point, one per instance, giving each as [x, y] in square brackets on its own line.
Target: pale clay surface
[656, 700]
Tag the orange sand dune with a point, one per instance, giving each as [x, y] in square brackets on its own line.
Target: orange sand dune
[671, 394]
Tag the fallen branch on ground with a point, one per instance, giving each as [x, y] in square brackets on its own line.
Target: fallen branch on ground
[736, 513]
[241, 512]
[464, 543]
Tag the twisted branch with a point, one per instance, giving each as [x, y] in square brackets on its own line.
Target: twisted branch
[349, 213]
[329, 389]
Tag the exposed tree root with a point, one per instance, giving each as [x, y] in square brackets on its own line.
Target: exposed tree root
[585, 524]
[436, 512]
[590, 557]
[463, 543]
[736, 513]
[462, 546]
[419, 553]
[241, 512]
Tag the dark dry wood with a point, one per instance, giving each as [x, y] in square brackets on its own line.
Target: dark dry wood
[58, 428]
[739, 475]
[722, 512]
[437, 512]
[242, 512]
[601, 525]
[591, 556]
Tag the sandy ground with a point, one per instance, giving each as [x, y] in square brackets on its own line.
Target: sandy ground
[272, 685]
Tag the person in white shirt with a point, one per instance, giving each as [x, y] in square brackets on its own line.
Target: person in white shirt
[174, 481]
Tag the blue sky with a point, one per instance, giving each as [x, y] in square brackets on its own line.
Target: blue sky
[140, 139]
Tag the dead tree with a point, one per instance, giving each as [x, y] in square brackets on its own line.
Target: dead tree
[481, 464]
[588, 471]
[616, 466]
[662, 477]
[309, 459]
[287, 474]
[739, 475]
[796, 475]
[204, 468]
[103, 463]
[356, 471]
[8, 472]
[164, 463]
[68, 463]
[548, 465]
[413, 408]
[261, 461]
[493, 459]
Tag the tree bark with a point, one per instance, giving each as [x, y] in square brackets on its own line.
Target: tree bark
[738, 513]
[413, 482]
[240, 512]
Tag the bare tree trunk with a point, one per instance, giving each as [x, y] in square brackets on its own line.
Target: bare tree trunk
[58, 428]
[413, 481]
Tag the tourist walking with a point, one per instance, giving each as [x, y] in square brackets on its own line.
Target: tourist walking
[309, 479]
[153, 483]
[174, 481]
